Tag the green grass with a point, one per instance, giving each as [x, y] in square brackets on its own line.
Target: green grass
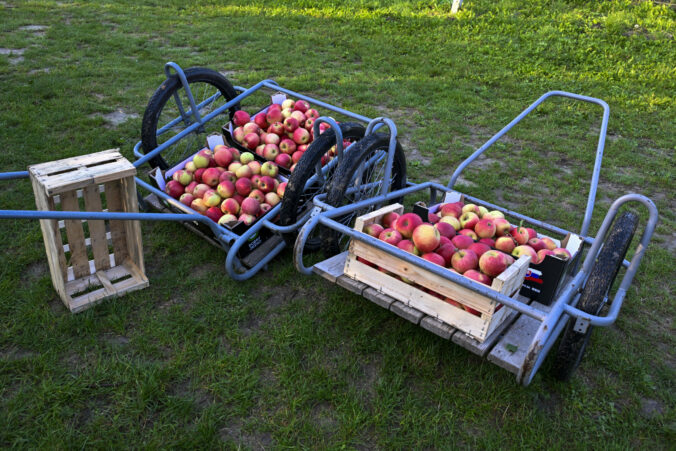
[283, 360]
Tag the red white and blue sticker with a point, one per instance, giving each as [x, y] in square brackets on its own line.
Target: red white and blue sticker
[534, 276]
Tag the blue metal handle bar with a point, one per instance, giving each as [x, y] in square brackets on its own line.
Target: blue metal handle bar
[193, 108]
[599, 149]
[13, 175]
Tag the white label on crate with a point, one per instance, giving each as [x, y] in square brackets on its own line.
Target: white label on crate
[278, 98]
[159, 178]
[215, 140]
[453, 196]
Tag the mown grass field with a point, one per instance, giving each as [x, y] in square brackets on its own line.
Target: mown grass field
[281, 360]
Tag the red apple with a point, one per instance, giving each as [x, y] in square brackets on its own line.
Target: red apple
[536, 244]
[520, 235]
[390, 236]
[274, 116]
[222, 156]
[462, 241]
[445, 229]
[562, 253]
[287, 146]
[301, 105]
[542, 253]
[226, 189]
[426, 238]
[485, 228]
[261, 120]
[174, 189]
[389, 219]
[453, 221]
[243, 186]
[244, 172]
[478, 276]
[531, 233]
[464, 260]
[488, 241]
[374, 229]
[469, 309]
[407, 223]
[505, 244]
[444, 240]
[227, 176]
[451, 209]
[214, 213]
[434, 258]
[290, 124]
[301, 136]
[447, 251]
[549, 243]
[469, 219]
[493, 263]
[283, 160]
[250, 206]
[433, 218]
[272, 199]
[200, 189]
[266, 184]
[199, 206]
[408, 246]
[191, 187]
[479, 248]
[238, 134]
[312, 113]
[186, 199]
[281, 188]
[265, 207]
[230, 206]
[251, 140]
[211, 176]
[247, 219]
[240, 118]
[468, 232]
[502, 226]
[258, 195]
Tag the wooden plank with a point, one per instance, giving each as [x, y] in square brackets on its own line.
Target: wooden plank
[378, 298]
[97, 229]
[55, 235]
[374, 216]
[117, 228]
[510, 351]
[105, 282]
[331, 268]
[407, 312]
[74, 286]
[132, 228]
[80, 178]
[438, 327]
[135, 271]
[76, 240]
[81, 303]
[88, 242]
[352, 285]
[51, 167]
[57, 198]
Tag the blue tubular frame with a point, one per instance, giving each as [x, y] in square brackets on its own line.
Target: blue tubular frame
[563, 308]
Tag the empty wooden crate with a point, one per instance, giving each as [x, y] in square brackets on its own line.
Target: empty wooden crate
[90, 261]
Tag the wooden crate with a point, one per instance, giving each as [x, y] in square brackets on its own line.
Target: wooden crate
[491, 314]
[84, 270]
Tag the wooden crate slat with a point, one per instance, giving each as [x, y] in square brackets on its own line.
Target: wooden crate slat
[132, 228]
[85, 301]
[85, 176]
[56, 237]
[105, 282]
[51, 167]
[409, 313]
[57, 198]
[88, 242]
[117, 228]
[74, 285]
[510, 351]
[135, 271]
[331, 268]
[97, 229]
[374, 216]
[76, 240]
[438, 327]
[378, 297]
[354, 286]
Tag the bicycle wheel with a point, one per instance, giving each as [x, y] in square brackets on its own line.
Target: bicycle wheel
[162, 118]
[573, 344]
[356, 179]
[297, 198]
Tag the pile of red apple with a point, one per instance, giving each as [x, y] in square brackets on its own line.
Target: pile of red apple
[227, 187]
[282, 133]
[467, 239]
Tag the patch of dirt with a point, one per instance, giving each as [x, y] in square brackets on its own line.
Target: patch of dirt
[369, 373]
[251, 326]
[46, 70]
[74, 362]
[115, 340]
[187, 390]
[38, 30]
[323, 415]
[15, 55]
[13, 353]
[253, 440]
[651, 408]
[116, 117]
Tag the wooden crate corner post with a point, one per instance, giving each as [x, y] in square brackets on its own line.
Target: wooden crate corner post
[84, 271]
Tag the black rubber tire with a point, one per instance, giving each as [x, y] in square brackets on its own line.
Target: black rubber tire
[203, 84]
[344, 178]
[296, 199]
[573, 344]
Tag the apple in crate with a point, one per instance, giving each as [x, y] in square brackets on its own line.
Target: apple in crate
[447, 251]
[251, 140]
[211, 176]
[274, 116]
[222, 156]
[174, 189]
[203, 158]
[272, 199]
[462, 241]
[244, 172]
[549, 243]
[542, 253]
[261, 120]
[243, 186]
[390, 219]
[520, 235]
[470, 233]
[525, 249]
[186, 199]
[502, 226]
[266, 184]
[426, 238]
[227, 219]
[408, 246]
[200, 190]
[232, 167]
[214, 213]
[488, 241]
[183, 177]
[464, 260]
[269, 168]
[479, 248]
[247, 219]
[434, 258]
[407, 223]
[451, 209]
[468, 220]
[271, 138]
[505, 244]
[230, 206]
[270, 152]
[199, 206]
[211, 198]
[240, 118]
[374, 229]
[283, 160]
[445, 229]
[390, 236]
[287, 146]
[250, 206]
[478, 276]
[281, 188]
[493, 263]
[301, 105]
[453, 221]
[562, 253]
[536, 244]
[301, 136]
[433, 218]
[191, 187]
[258, 195]
[485, 228]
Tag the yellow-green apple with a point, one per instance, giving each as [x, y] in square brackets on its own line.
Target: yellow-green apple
[258, 195]
[250, 206]
[447, 251]
[505, 244]
[445, 229]
[266, 184]
[190, 166]
[272, 199]
[243, 186]
[407, 223]
[211, 176]
[434, 258]
[462, 241]
[549, 243]
[542, 253]
[270, 168]
[502, 226]
[183, 177]
[288, 103]
[478, 276]
[408, 246]
[493, 263]
[246, 158]
[525, 249]
[200, 189]
[211, 198]
[232, 167]
[479, 248]
[485, 228]
[227, 176]
[468, 232]
[468, 220]
[562, 253]
[374, 229]
[489, 241]
[452, 220]
[389, 219]
[222, 155]
[426, 237]
[199, 206]
[390, 236]
[201, 160]
[243, 172]
[536, 244]
[230, 206]
[281, 188]
[226, 189]
[186, 199]
[494, 214]
[451, 209]
[240, 118]
[247, 219]
[464, 260]
[227, 219]
[520, 235]
[174, 189]
[470, 208]
[482, 211]
[214, 213]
